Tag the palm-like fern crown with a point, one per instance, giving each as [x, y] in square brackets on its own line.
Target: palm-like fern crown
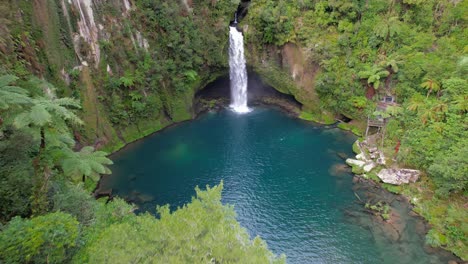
[47, 110]
[86, 162]
[11, 95]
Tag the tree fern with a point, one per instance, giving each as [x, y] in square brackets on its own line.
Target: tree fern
[87, 163]
[430, 85]
[46, 110]
[11, 95]
[373, 75]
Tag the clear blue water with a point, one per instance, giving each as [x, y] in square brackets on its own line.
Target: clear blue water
[285, 179]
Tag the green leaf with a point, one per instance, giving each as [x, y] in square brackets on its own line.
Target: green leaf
[39, 115]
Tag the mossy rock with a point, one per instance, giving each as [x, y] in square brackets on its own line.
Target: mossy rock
[373, 176]
[357, 170]
[392, 188]
[356, 148]
[349, 127]
[321, 118]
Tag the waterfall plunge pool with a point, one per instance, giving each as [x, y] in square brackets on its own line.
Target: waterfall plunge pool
[286, 180]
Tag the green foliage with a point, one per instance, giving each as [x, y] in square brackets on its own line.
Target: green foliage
[72, 199]
[201, 231]
[359, 102]
[430, 85]
[387, 27]
[43, 239]
[380, 208]
[47, 111]
[85, 163]
[416, 50]
[11, 95]
[350, 127]
[276, 22]
[191, 75]
[449, 169]
[356, 148]
[373, 75]
[413, 48]
[322, 118]
[16, 174]
[435, 238]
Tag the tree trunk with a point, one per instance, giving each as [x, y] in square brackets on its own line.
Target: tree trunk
[388, 80]
[39, 202]
[370, 92]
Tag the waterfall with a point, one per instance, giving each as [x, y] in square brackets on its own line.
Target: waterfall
[237, 71]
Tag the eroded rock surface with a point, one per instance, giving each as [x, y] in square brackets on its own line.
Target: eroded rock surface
[398, 176]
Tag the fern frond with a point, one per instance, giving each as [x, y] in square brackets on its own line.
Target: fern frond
[7, 79]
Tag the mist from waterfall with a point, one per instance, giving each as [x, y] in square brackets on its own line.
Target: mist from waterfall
[237, 71]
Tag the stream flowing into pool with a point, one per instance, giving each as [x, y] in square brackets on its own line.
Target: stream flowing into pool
[285, 179]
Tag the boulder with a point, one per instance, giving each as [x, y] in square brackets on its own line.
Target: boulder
[353, 162]
[369, 166]
[398, 176]
[360, 156]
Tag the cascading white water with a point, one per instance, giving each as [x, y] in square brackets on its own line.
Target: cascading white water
[237, 71]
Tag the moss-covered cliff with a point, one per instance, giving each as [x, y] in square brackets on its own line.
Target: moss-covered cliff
[135, 65]
[342, 58]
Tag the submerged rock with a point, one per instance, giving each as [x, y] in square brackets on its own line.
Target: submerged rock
[398, 176]
[339, 169]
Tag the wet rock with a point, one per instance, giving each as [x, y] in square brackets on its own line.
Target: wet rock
[137, 197]
[398, 176]
[353, 162]
[412, 213]
[420, 227]
[339, 169]
[390, 232]
[342, 155]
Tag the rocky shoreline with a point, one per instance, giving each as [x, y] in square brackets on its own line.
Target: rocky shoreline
[370, 172]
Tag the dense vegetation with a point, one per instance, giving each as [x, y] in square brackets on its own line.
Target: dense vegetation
[47, 172]
[153, 58]
[45, 179]
[415, 51]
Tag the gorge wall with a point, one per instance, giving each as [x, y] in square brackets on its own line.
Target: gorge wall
[135, 65]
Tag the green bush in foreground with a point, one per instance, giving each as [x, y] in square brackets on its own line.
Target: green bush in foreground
[203, 231]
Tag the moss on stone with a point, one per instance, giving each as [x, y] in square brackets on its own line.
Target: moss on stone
[277, 78]
[350, 127]
[357, 170]
[356, 148]
[392, 188]
[322, 118]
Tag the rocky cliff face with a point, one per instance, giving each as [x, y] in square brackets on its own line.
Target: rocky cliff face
[137, 64]
[134, 64]
[288, 68]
